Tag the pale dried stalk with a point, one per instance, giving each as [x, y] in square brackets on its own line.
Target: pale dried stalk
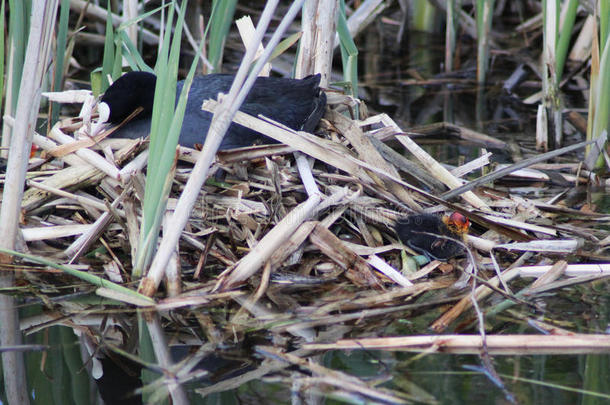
[86, 174]
[130, 12]
[556, 271]
[173, 270]
[473, 344]
[53, 232]
[573, 270]
[548, 246]
[473, 165]
[306, 57]
[316, 44]
[246, 32]
[306, 175]
[89, 237]
[388, 270]
[521, 225]
[79, 199]
[80, 172]
[47, 144]
[323, 47]
[88, 155]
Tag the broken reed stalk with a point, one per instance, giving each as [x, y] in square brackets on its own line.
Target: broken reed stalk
[267, 246]
[440, 172]
[316, 49]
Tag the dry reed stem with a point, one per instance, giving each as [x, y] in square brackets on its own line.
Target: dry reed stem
[357, 269]
[440, 172]
[575, 343]
[368, 153]
[277, 236]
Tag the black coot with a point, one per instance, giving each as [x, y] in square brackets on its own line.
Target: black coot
[433, 236]
[298, 104]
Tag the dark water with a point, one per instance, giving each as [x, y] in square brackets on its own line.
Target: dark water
[435, 378]
[62, 374]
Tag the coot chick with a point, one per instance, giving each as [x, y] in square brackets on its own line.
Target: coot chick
[298, 104]
[433, 236]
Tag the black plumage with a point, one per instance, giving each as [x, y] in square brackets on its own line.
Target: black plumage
[296, 103]
[433, 236]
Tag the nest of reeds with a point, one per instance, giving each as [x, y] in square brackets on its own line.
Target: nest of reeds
[340, 263]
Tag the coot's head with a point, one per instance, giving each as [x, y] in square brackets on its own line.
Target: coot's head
[128, 92]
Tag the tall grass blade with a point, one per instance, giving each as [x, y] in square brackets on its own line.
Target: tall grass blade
[164, 139]
[564, 38]
[552, 101]
[484, 14]
[601, 109]
[62, 41]
[220, 23]
[17, 42]
[604, 23]
[2, 26]
[109, 53]
[133, 57]
[423, 15]
[165, 89]
[450, 33]
[18, 35]
[349, 53]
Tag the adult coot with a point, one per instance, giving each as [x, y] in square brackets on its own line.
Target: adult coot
[298, 104]
[433, 236]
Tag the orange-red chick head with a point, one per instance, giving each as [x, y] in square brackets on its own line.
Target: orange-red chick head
[457, 223]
